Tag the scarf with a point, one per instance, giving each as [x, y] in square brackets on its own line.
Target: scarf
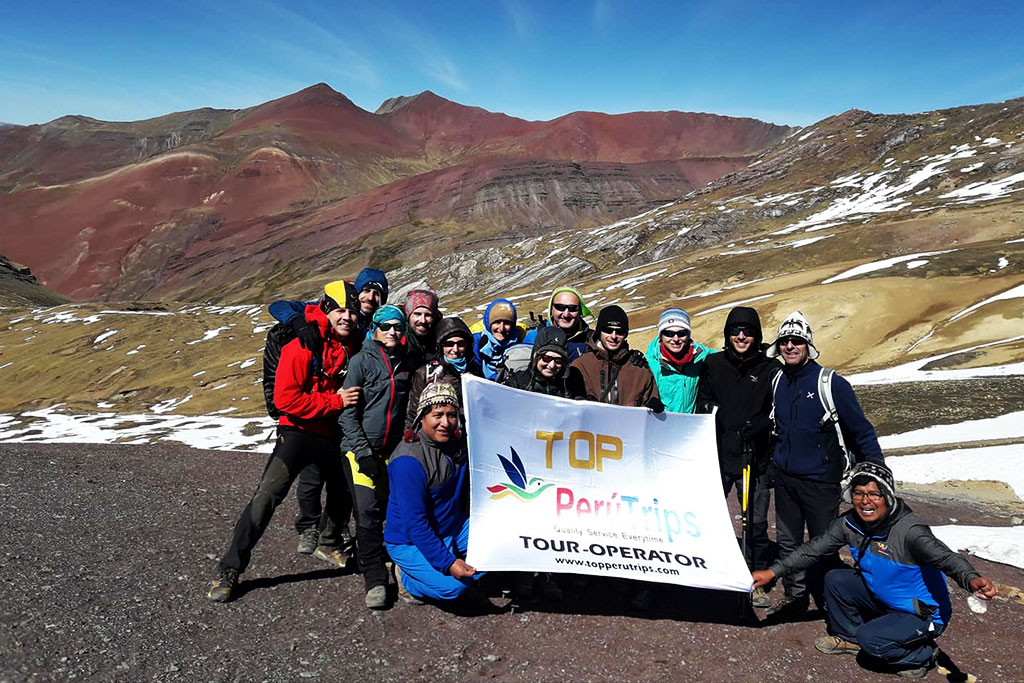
[678, 362]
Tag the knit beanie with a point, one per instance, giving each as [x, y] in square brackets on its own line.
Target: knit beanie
[877, 472]
[387, 313]
[613, 316]
[371, 277]
[436, 394]
[339, 294]
[795, 325]
[551, 340]
[420, 297]
[674, 318]
[500, 309]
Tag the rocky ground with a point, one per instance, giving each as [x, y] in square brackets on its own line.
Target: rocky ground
[106, 551]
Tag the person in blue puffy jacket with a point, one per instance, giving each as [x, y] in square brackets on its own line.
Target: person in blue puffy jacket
[499, 333]
[894, 602]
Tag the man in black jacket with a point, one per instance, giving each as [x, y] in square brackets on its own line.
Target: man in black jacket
[738, 382]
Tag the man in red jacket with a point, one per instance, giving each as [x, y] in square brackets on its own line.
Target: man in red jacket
[308, 392]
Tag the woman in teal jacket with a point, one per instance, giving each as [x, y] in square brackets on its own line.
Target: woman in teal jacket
[676, 361]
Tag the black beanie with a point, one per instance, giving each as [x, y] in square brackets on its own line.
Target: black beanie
[613, 316]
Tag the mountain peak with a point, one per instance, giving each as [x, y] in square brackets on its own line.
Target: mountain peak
[427, 98]
[321, 93]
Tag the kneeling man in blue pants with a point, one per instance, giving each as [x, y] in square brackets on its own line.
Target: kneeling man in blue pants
[428, 518]
[894, 603]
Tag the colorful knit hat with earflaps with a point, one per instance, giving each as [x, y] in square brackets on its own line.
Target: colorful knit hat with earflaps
[339, 294]
[795, 325]
[878, 473]
[436, 394]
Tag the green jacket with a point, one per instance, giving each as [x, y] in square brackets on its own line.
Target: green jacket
[678, 389]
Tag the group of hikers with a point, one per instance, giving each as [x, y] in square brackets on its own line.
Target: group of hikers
[369, 407]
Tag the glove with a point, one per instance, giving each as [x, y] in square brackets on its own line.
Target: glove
[638, 359]
[308, 334]
[747, 432]
[655, 405]
[370, 466]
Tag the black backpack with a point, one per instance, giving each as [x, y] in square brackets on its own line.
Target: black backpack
[279, 335]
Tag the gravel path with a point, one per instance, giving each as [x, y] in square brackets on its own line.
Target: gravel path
[106, 552]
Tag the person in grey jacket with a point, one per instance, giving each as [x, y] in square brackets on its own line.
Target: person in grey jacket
[370, 431]
[894, 602]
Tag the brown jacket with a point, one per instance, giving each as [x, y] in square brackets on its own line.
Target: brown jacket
[595, 376]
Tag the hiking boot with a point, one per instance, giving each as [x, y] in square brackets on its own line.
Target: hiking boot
[331, 556]
[474, 597]
[549, 588]
[308, 541]
[789, 608]
[642, 600]
[403, 595]
[225, 586]
[834, 645]
[524, 586]
[919, 672]
[377, 597]
[759, 598]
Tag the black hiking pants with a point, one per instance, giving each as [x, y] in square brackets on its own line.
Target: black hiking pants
[293, 451]
[369, 504]
[799, 504]
[308, 491]
[759, 546]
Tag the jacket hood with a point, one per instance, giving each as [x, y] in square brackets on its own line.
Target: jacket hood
[584, 311]
[453, 327]
[503, 303]
[744, 315]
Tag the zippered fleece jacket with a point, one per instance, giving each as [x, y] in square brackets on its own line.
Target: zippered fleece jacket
[429, 484]
[677, 386]
[899, 559]
[610, 377]
[308, 400]
[374, 425]
[806, 447]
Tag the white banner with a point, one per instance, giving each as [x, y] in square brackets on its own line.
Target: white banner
[587, 488]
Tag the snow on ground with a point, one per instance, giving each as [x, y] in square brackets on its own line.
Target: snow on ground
[101, 338]
[993, 543]
[209, 334]
[732, 304]
[874, 266]
[1013, 293]
[1009, 426]
[217, 433]
[987, 463]
[983, 192]
[912, 371]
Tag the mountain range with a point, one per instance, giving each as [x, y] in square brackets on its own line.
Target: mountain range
[230, 204]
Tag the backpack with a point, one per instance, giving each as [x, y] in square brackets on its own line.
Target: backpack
[279, 335]
[827, 403]
[516, 357]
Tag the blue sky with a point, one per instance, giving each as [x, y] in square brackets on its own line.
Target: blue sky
[785, 62]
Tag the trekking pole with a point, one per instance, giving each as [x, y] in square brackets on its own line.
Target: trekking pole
[748, 450]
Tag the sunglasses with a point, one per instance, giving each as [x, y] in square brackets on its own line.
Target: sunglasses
[387, 327]
[736, 330]
[449, 343]
[572, 308]
[613, 330]
[551, 360]
[669, 334]
[794, 341]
